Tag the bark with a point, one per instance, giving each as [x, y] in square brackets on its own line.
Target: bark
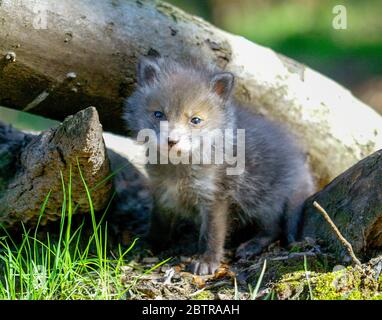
[61, 55]
[354, 202]
[31, 167]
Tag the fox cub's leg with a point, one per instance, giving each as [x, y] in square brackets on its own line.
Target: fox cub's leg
[268, 232]
[212, 238]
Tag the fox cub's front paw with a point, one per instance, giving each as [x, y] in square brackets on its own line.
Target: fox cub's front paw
[204, 265]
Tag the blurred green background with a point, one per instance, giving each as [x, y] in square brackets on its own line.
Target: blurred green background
[300, 29]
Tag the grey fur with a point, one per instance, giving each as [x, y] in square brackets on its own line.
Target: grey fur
[268, 195]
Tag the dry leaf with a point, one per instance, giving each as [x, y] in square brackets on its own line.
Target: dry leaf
[198, 281]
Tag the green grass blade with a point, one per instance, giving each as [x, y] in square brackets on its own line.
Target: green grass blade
[258, 284]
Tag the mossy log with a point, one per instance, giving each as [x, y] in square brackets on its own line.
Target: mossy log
[351, 283]
[35, 166]
[354, 202]
[58, 56]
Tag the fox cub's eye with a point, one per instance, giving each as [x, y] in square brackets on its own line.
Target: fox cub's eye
[158, 114]
[196, 120]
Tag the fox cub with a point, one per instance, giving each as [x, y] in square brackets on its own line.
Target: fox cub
[180, 104]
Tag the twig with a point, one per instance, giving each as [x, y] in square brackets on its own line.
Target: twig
[346, 243]
[197, 292]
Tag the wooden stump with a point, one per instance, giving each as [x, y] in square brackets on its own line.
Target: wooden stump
[31, 167]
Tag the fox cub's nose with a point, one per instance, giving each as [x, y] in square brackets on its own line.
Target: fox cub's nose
[172, 142]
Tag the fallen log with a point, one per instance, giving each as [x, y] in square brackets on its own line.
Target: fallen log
[31, 167]
[58, 56]
[354, 202]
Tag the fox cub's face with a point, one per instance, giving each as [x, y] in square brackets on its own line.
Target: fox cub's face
[179, 103]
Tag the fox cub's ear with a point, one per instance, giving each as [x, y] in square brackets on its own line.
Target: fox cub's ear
[222, 84]
[148, 70]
